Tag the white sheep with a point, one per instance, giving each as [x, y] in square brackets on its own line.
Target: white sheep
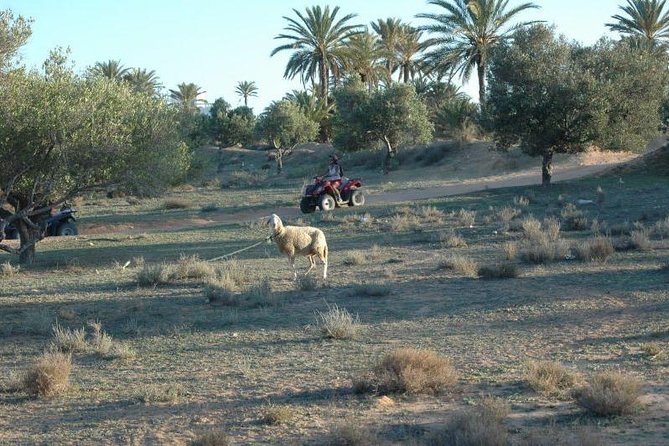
[300, 240]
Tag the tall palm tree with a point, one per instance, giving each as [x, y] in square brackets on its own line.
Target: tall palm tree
[644, 19]
[316, 38]
[364, 56]
[390, 32]
[112, 69]
[467, 31]
[143, 81]
[408, 48]
[186, 95]
[246, 89]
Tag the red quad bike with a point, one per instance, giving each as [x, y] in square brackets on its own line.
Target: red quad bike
[321, 194]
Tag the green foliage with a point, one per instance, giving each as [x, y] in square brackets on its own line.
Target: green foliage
[283, 125]
[230, 127]
[644, 19]
[394, 115]
[14, 32]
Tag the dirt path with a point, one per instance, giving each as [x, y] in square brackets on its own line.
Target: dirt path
[522, 178]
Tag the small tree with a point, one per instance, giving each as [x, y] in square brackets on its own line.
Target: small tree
[393, 116]
[539, 97]
[230, 127]
[61, 135]
[284, 126]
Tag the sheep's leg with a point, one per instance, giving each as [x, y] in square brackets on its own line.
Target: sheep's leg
[291, 262]
[323, 257]
[312, 263]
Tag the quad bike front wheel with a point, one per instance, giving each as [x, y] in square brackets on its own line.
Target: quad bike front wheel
[357, 198]
[67, 229]
[306, 206]
[327, 203]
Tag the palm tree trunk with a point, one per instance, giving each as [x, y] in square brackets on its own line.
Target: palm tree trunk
[481, 74]
[324, 81]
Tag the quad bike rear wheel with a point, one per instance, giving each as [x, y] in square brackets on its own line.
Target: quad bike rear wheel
[306, 207]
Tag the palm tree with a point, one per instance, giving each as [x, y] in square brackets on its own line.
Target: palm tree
[390, 31]
[644, 19]
[246, 89]
[316, 40]
[186, 95]
[466, 33]
[364, 56]
[408, 47]
[143, 81]
[112, 69]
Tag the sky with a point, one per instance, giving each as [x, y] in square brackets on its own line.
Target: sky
[218, 43]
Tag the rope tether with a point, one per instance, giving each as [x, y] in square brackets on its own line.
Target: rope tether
[266, 239]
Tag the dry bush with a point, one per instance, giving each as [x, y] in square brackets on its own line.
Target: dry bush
[598, 249]
[306, 283]
[413, 371]
[121, 351]
[549, 377]
[500, 271]
[9, 270]
[161, 393]
[355, 258]
[50, 376]
[610, 393]
[154, 275]
[218, 291]
[506, 214]
[429, 214]
[599, 227]
[176, 203]
[639, 239]
[451, 240]
[66, 340]
[372, 290]
[521, 201]
[273, 414]
[338, 323]
[544, 250]
[260, 294]
[551, 227]
[531, 228]
[460, 264]
[473, 427]
[232, 273]
[191, 267]
[101, 343]
[573, 218]
[350, 434]
[402, 222]
[510, 250]
[651, 349]
[661, 229]
[212, 438]
[465, 218]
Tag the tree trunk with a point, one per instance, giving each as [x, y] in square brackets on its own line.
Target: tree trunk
[324, 81]
[547, 168]
[28, 237]
[481, 74]
[390, 154]
[279, 160]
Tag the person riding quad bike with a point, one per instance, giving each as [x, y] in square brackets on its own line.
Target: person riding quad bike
[335, 175]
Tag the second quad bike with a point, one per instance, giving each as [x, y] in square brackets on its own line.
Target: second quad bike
[61, 223]
[322, 194]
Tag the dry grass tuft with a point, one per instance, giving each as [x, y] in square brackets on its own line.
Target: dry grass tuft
[275, 415]
[510, 250]
[549, 377]
[191, 267]
[411, 371]
[639, 240]
[553, 437]
[544, 250]
[170, 393]
[9, 270]
[372, 290]
[451, 240]
[610, 394]
[218, 291]
[66, 340]
[176, 203]
[154, 275]
[306, 283]
[531, 229]
[460, 264]
[212, 438]
[598, 249]
[50, 376]
[260, 294]
[350, 434]
[573, 218]
[465, 217]
[338, 323]
[651, 349]
[661, 229]
[499, 271]
[473, 427]
[506, 214]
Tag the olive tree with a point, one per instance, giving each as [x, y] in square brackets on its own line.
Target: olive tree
[61, 135]
[284, 125]
[393, 116]
[551, 96]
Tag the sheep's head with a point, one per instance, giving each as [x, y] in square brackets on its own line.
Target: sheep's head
[274, 222]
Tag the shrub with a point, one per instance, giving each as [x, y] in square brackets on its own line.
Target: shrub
[473, 427]
[414, 371]
[573, 218]
[651, 349]
[277, 414]
[553, 437]
[544, 250]
[510, 250]
[506, 214]
[460, 264]
[170, 393]
[154, 275]
[176, 203]
[500, 271]
[372, 290]
[218, 291]
[8, 270]
[351, 434]
[451, 240]
[191, 267]
[50, 376]
[610, 393]
[598, 249]
[260, 294]
[551, 227]
[549, 377]
[521, 201]
[66, 340]
[101, 342]
[212, 438]
[465, 218]
[639, 240]
[661, 228]
[355, 258]
[306, 283]
[531, 228]
[338, 323]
